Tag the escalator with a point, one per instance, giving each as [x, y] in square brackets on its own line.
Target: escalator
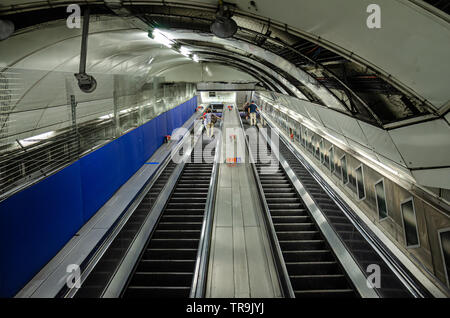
[104, 270]
[361, 250]
[311, 265]
[167, 265]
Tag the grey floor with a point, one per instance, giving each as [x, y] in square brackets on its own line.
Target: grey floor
[241, 262]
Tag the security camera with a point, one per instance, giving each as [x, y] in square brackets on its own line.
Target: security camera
[87, 83]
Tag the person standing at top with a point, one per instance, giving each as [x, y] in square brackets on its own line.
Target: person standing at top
[252, 108]
[208, 120]
[246, 109]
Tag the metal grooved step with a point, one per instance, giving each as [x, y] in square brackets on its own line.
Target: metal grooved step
[312, 267]
[166, 267]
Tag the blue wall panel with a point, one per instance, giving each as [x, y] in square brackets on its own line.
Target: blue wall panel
[150, 144]
[170, 119]
[131, 154]
[36, 222]
[100, 177]
[161, 126]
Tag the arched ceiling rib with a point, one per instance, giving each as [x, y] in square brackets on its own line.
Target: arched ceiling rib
[226, 55]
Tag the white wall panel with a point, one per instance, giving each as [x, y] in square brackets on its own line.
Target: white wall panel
[438, 178]
[425, 144]
[328, 118]
[381, 142]
[301, 109]
[401, 47]
[350, 128]
[368, 153]
[312, 111]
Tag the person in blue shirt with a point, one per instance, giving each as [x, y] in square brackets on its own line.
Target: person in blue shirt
[252, 108]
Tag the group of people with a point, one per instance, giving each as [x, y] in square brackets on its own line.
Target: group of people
[209, 119]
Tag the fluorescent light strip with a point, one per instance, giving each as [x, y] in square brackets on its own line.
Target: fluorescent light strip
[161, 38]
[184, 51]
[32, 140]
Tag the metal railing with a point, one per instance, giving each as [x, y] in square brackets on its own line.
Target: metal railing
[26, 162]
[198, 288]
[283, 276]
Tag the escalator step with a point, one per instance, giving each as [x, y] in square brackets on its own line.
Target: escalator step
[325, 293]
[312, 268]
[319, 282]
[307, 256]
[161, 279]
[311, 265]
[157, 292]
[163, 253]
[166, 265]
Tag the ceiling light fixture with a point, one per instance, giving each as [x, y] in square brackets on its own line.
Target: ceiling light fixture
[32, 140]
[184, 51]
[161, 38]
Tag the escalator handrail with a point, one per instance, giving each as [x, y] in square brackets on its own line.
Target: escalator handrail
[346, 260]
[198, 288]
[283, 276]
[123, 275]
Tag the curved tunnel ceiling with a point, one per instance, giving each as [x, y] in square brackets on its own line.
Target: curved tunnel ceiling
[408, 32]
[114, 47]
[286, 45]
